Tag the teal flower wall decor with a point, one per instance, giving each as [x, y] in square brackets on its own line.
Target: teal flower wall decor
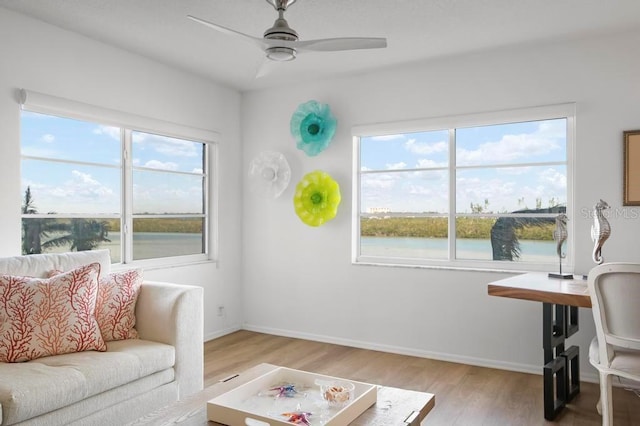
[313, 127]
[316, 198]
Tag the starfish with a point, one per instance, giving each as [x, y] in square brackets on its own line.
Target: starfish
[285, 390]
[298, 417]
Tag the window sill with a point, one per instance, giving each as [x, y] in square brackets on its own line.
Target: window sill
[467, 267]
[167, 263]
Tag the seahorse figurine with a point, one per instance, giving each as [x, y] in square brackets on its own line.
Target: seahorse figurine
[600, 230]
[560, 233]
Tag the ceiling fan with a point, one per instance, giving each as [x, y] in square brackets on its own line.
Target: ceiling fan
[280, 42]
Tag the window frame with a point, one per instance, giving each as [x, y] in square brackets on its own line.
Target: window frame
[128, 123]
[451, 123]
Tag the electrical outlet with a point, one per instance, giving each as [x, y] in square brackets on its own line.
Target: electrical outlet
[220, 310]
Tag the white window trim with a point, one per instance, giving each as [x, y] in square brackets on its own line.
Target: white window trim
[536, 113]
[47, 104]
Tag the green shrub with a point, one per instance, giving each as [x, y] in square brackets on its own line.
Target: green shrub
[437, 227]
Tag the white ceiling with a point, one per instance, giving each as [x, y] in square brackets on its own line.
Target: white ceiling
[416, 30]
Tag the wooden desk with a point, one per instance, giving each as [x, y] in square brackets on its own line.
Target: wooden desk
[394, 407]
[560, 301]
[538, 287]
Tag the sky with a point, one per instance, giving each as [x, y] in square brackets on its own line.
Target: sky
[64, 187]
[411, 169]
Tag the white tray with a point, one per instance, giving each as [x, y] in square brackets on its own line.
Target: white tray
[252, 404]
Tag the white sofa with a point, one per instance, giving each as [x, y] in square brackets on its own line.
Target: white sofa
[130, 379]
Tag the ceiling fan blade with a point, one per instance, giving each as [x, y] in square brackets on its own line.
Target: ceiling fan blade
[344, 43]
[256, 41]
[266, 67]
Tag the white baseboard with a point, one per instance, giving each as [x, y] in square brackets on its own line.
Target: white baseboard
[460, 359]
[220, 333]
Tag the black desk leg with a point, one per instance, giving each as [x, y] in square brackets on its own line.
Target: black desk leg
[561, 367]
[572, 355]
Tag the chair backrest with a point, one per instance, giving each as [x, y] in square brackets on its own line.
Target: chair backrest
[615, 298]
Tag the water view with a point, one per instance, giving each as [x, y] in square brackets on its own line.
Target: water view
[436, 248]
[148, 245]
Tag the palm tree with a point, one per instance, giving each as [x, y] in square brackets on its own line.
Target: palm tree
[79, 233]
[34, 230]
[82, 235]
[30, 228]
[504, 239]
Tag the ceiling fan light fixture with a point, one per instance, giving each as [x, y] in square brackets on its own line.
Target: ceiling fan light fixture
[281, 54]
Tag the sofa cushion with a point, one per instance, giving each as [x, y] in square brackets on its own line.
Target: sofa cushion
[39, 265]
[36, 387]
[49, 316]
[116, 304]
[125, 403]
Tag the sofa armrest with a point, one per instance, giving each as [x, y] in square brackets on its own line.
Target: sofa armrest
[174, 314]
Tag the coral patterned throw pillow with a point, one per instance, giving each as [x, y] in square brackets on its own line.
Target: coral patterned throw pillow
[49, 316]
[115, 308]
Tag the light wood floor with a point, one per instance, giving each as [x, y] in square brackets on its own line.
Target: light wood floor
[465, 395]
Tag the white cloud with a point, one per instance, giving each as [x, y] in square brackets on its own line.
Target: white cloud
[155, 164]
[86, 187]
[554, 178]
[509, 149]
[110, 131]
[515, 147]
[424, 163]
[167, 146]
[420, 190]
[395, 166]
[167, 199]
[501, 194]
[138, 137]
[48, 138]
[513, 171]
[504, 195]
[379, 181]
[552, 129]
[77, 192]
[430, 175]
[405, 191]
[421, 148]
[85, 178]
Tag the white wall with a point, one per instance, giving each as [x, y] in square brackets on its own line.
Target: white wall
[46, 59]
[299, 280]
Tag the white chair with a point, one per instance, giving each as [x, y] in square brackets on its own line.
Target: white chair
[615, 351]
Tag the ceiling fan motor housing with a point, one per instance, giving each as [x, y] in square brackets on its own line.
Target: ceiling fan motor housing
[281, 31]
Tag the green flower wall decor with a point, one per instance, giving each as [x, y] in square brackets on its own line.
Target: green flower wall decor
[316, 198]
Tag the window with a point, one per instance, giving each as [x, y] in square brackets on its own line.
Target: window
[477, 191]
[87, 185]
